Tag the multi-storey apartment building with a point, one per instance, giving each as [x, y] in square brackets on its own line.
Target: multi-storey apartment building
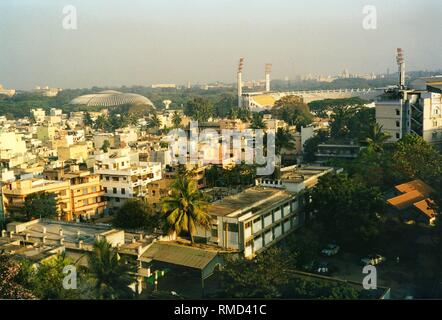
[15, 193]
[123, 176]
[79, 193]
[86, 192]
[417, 110]
[260, 216]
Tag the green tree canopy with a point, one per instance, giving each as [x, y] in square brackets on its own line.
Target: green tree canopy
[199, 109]
[111, 274]
[135, 214]
[10, 287]
[41, 204]
[347, 210]
[293, 111]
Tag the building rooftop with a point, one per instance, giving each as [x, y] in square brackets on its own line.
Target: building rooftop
[249, 199]
[299, 174]
[415, 185]
[181, 255]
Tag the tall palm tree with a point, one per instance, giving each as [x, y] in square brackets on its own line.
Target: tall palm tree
[154, 122]
[185, 207]
[341, 117]
[376, 137]
[257, 121]
[110, 273]
[176, 119]
[283, 139]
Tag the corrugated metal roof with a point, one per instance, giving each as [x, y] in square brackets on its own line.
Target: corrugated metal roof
[179, 255]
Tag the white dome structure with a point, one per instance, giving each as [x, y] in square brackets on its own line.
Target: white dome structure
[110, 98]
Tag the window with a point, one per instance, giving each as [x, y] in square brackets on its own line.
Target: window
[123, 191]
[84, 190]
[105, 189]
[85, 203]
[107, 178]
[114, 190]
[398, 112]
[94, 189]
[398, 136]
[398, 124]
[115, 179]
[232, 227]
[434, 123]
[248, 225]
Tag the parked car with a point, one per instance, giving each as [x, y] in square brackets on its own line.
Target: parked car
[324, 268]
[330, 250]
[373, 259]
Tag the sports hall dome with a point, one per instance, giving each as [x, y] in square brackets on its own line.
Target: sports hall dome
[110, 98]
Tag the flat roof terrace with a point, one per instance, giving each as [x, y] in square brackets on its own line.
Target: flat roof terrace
[249, 199]
[299, 174]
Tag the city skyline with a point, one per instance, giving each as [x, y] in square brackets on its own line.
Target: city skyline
[200, 42]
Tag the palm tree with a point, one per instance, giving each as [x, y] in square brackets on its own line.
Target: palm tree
[176, 119]
[376, 137]
[283, 139]
[257, 121]
[185, 207]
[341, 117]
[154, 122]
[110, 273]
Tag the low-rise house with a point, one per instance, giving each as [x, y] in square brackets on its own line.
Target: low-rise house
[413, 202]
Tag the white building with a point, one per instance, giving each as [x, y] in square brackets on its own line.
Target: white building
[123, 176]
[38, 114]
[418, 110]
[260, 216]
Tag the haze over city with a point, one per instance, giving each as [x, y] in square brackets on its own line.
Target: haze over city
[139, 43]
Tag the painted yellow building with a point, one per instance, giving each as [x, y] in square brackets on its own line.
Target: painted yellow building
[79, 193]
[46, 133]
[77, 151]
[15, 193]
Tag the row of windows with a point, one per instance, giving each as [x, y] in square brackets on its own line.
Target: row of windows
[115, 190]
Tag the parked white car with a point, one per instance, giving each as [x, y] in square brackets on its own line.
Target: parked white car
[374, 259]
[330, 250]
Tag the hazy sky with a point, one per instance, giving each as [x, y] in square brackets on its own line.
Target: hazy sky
[129, 42]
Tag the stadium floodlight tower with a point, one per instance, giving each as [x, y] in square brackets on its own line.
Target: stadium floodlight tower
[239, 81]
[167, 103]
[401, 67]
[268, 70]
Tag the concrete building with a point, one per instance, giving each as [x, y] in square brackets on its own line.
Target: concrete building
[40, 240]
[123, 176]
[344, 150]
[417, 110]
[260, 216]
[15, 193]
[86, 192]
[253, 219]
[46, 133]
[79, 193]
[47, 92]
[6, 92]
[38, 115]
[77, 152]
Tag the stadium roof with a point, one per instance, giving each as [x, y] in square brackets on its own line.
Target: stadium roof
[111, 98]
